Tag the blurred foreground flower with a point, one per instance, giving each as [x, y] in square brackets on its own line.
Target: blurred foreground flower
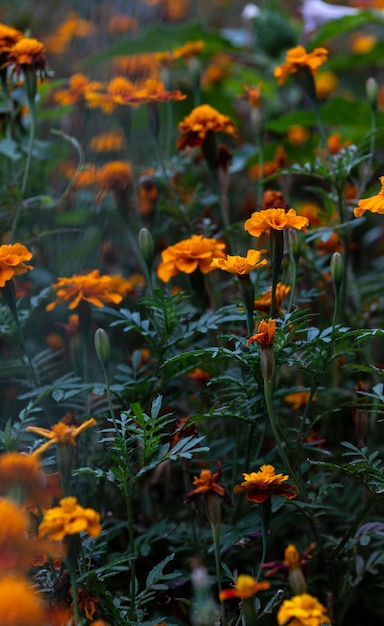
[70, 518]
[96, 289]
[61, 434]
[298, 399]
[20, 606]
[261, 485]
[199, 122]
[12, 261]
[298, 58]
[28, 53]
[8, 37]
[374, 204]
[302, 610]
[188, 255]
[245, 587]
[274, 219]
[22, 478]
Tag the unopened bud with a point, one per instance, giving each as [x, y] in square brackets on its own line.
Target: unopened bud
[102, 347]
[372, 91]
[146, 246]
[337, 267]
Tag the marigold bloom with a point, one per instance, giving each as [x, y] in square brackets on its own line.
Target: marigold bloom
[265, 334]
[8, 37]
[374, 204]
[293, 560]
[28, 53]
[21, 474]
[93, 288]
[269, 167]
[73, 26]
[199, 122]
[273, 199]
[13, 259]
[208, 483]
[298, 399]
[189, 49]
[325, 84]
[121, 23]
[115, 176]
[79, 84]
[297, 58]
[362, 44]
[117, 88]
[245, 587]
[152, 90]
[111, 141]
[302, 610]
[69, 518]
[20, 606]
[188, 255]
[297, 134]
[87, 603]
[263, 303]
[61, 433]
[200, 375]
[275, 219]
[252, 96]
[261, 485]
[240, 265]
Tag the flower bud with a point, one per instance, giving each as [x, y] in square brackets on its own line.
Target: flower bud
[102, 347]
[372, 91]
[337, 266]
[146, 246]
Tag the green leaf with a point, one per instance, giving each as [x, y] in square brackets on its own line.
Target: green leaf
[342, 25]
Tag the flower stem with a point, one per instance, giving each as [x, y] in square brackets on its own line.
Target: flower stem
[216, 544]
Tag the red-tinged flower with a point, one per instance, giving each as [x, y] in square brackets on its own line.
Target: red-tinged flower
[13, 259]
[261, 485]
[374, 204]
[245, 587]
[297, 58]
[199, 122]
[265, 334]
[208, 483]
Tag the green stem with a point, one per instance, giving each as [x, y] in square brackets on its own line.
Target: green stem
[294, 265]
[131, 538]
[216, 544]
[30, 146]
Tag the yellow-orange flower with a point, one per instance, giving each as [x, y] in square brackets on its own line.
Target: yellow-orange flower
[199, 122]
[28, 52]
[69, 518]
[21, 474]
[325, 84]
[117, 89]
[111, 141]
[188, 255]
[297, 134]
[363, 43]
[152, 90]
[245, 587]
[298, 399]
[13, 259]
[73, 26]
[95, 289]
[240, 265]
[8, 37]
[261, 485]
[20, 606]
[87, 603]
[265, 334]
[252, 96]
[115, 176]
[61, 433]
[263, 303]
[374, 204]
[302, 610]
[122, 24]
[188, 50]
[298, 58]
[208, 483]
[79, 84]
[275, 219]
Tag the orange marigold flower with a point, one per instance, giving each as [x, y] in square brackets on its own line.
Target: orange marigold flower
[363, 43]
[325, 84]
[208, 483]
[13, 259]
[121, 23]
[118, 89]
[96, 289]
[261, 485]
[69, 518]
[302, 610]
[115, 176]
[199, 122]
[139, 66]
[188, 255]
[79, 84]
[252, 96]
[62, 433]
[374, 204]
[87, 603]
[21, 474]
[8, 37]
[297, 134]
[111, 141]
[20, 606]
[265, 334]
[297, 58]
[200, 375]
[273, 199]
[73, 26]
[263, 303]
[152, 90]
[188, 50]
[245, 587]
[28, 53]
[276, 219]
[240, 265]
[298, 399]
[183, 429]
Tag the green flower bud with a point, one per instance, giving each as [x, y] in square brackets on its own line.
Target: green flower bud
[337, 266]
[372, 91]
[146, 246]
[102, 347]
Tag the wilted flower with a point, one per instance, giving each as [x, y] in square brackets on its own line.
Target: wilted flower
[374, 204]
[87, 603]
[240, 265]
[95, 289]
[188, 255]
[13, 259]
[298, 58]
[69, 518]
[261, 485]
[275, 219]
[245, 587]
[199, 122]
[302, 610]
[61, 433]
[265, 334]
